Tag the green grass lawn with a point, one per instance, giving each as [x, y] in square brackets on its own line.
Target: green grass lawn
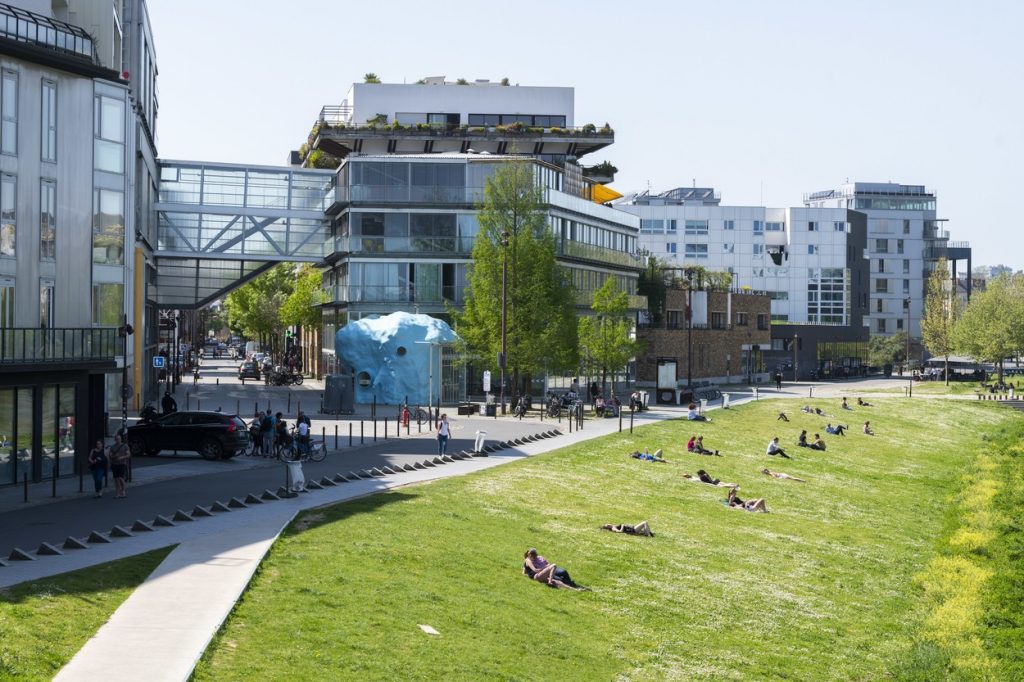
[45, 622]
[838, 582]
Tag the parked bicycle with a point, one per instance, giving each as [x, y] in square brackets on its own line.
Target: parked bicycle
[293, 449]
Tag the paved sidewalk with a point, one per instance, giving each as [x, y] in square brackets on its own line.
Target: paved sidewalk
[175, 613]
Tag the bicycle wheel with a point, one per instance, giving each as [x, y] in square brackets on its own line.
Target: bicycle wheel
[317, 452]
[286, 453]
[422, 415]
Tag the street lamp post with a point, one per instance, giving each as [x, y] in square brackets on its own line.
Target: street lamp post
[689, 328]
[910, 388]
[796, 357]
[503, 356]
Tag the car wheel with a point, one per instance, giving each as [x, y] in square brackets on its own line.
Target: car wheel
[211, 449]
[137, 446]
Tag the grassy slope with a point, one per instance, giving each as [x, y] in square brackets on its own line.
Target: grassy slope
[45, 622]
[821, 588]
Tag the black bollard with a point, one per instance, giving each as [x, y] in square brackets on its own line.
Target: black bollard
[631, 422]
[620, 419]
[238, 406]
[218, 381]
[350, 434]
[256, 407]
[362, 438]
[335, 436]
[323, 436]
[374, 429]
[198, 403]
[373, 409]
[385, 429]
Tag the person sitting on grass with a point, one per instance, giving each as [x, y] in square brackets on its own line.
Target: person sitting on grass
[844, 405]
[537, 568]
[820, 412]
[818, 443]
[696, 446]
[862, 403]
[692, 415]
[656, 457]
[802, 440]
[774, 449]
[808, 409]
[867, 429]
[704, 477]
[780, 475]
[639, 529]
[837, 430]
[757, 505]
[782, 417]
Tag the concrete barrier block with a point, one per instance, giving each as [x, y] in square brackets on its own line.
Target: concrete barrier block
[340, 478]
[119, 532]
[376, 472]
[219, 506]
[141, 525]
[418, 465]
[252, 499]
[18, 554]
[324, 481]
[201, 511]
[46, 549]
[182, 515]
[236, 503]
[482, 453]
[269, 495]
[2, 563]
[284, 492]
[447, 459]
[74, 543]
[163, 521]
[313, 485]
[428, 463]
[409, 467]
[387, 470]
[97, 538]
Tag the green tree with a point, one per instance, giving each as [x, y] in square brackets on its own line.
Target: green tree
[255, 307]
[302, 307]
[991, 327]
[371, 78]
[941, 310]
[606, 338]
[887, 350]
[541, 315]
[652, 285]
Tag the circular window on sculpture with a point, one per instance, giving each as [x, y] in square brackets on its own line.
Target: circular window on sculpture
[364, 378]
[401, 351]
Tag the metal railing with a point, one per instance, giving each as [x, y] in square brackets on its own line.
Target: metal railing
[340, 126]
[29, 27]
[597, 253]
[461, 246]
[36, 346]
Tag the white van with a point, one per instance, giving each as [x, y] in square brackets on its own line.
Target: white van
[250, 348]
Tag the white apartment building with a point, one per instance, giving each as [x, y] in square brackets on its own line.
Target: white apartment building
[815, 276]
[905, 239]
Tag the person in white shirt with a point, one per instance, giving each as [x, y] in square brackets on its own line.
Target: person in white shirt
[774, 449]
[303, 432]
[443, 432]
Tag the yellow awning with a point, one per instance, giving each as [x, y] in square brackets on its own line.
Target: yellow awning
[602, 194]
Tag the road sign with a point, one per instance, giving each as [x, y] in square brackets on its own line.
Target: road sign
[158, 361]
[487, 381]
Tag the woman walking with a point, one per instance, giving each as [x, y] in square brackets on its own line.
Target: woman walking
[97, 464]
[443, 432]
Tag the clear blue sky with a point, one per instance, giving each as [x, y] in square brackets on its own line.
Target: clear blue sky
[762, 100]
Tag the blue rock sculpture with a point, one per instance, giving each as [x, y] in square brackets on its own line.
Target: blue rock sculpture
[390, 356]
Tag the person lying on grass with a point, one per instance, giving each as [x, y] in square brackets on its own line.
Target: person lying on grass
[838, 429]
[757, 505]
[538, 568]
[782, 417]
[774, 449]
[696, 446]
[781, 476]
[656, 457]
[639, 529]
[863, 403]
[818, 443]
[704, 477]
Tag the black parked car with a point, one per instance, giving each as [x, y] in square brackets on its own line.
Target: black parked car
[249, 370]
[213, 435]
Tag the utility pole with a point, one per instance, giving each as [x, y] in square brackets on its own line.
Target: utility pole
[910, 388]
[796, 357]
[124, 331]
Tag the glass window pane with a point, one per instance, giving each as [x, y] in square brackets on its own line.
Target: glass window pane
[111, 123]
[109, 156]
[66, 429]
[108, 227]
[23, 440]
[7, 450]
[107, 304]
[49, 424]
[8, 214]
[47, 220]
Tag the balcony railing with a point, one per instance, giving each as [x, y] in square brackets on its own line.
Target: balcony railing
[339, 127]
[460, 246]
[596, 253]
[59, 345]
[399, 293]
[29, 27]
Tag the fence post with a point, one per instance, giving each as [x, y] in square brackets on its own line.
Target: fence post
[620, 419]
[631, 422]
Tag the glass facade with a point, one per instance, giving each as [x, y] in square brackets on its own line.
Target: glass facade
[107, 304]
[9, 112]
[108, 227]
[828, 291]
[48, 137]
[8, 214]
[108, 152]
[47, 220]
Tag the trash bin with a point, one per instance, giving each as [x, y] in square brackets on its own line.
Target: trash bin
[296, 479]
[491, 411]
[703, 405]
[478, 444]
[725, 401]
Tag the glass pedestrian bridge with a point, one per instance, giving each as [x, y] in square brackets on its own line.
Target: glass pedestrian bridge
[219, 225]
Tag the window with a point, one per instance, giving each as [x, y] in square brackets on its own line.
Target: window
[775, 227]
[107, 305]
[741, 319]
[9, 113]
[906, 286]
[108, 227]
[881, 246]
[109, 131]
[717, 320]
[729, 225]
[652, 227]
[906, 266]
[882, 286]
[899, 323]
[758, 227]
[696, 251]
[47, 220]
[670, 247]
[8, 214]
[6, 303]
[762, 321]
[879, 306]
[881, 265]
[880, 326]
[812, 249]
[839, 226]
[673, 317]
[906, 303]
[696, 227]
[758, 249]
[899, 246]
[49, 128]
[778, 295]
[671, 226]
[906, 227]
[812, 226]
[46, 303]
[728, 248]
